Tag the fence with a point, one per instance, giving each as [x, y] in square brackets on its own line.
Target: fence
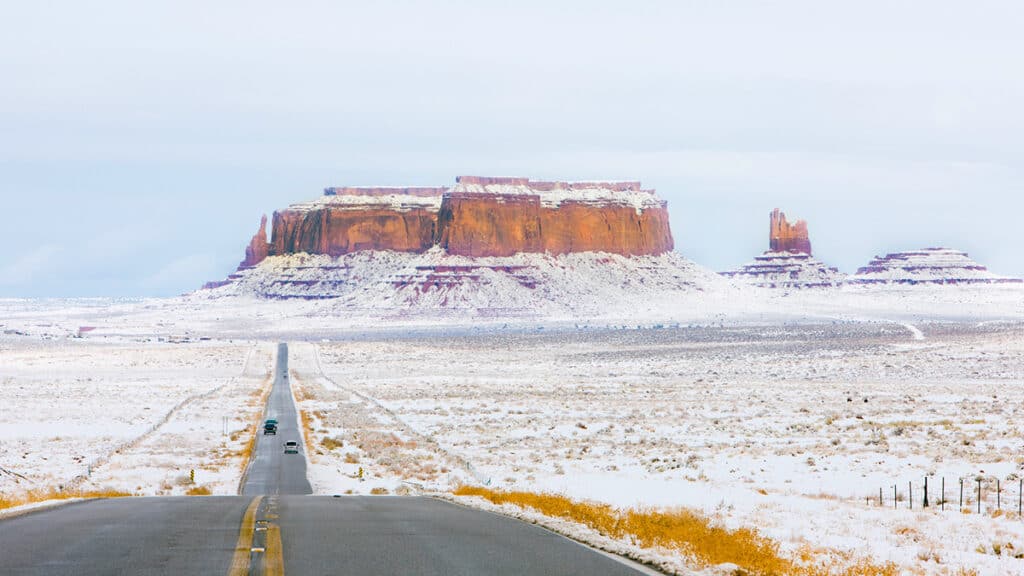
[978, 494]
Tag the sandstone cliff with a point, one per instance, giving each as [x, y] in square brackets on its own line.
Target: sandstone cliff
[258, 247]
[786, 237]
[479, 216]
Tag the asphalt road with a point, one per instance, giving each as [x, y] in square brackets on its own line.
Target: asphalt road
[143, 536]
[275, 528]
[391, 535]
[271, 471]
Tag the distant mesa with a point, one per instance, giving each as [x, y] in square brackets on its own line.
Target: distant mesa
[788, 262]
[927, 266]
[479, 217]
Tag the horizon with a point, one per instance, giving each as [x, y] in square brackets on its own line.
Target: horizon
[143, 143]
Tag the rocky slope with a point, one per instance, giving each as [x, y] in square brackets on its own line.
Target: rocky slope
[520, 285]
[787, 270]
[927, 266]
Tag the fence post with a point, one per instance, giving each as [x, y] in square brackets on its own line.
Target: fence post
[925, 491]
[961, 493]
[910, 494]
[999, 496]
[979, 495]
[894, 496]
[1020, 492]
[879, 495]
[942, 503]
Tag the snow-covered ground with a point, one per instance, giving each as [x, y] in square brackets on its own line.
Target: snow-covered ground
[782, 410]
[793, 430]
[89, 415]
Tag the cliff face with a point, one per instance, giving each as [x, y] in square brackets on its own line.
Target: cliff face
[479, 216]
[258, 248]
[504, 216]
[786, 237]
[489, 224]
[337, 231]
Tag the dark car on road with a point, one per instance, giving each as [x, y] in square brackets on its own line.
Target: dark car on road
[270, 427]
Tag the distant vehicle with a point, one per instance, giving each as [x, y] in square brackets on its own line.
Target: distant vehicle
[270, 427]
[291, 447]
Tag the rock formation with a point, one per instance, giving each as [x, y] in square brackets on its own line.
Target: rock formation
[927, 266]
[258, 247]
[498, 231]
[477, 217]
[788, 262]
[786, 237]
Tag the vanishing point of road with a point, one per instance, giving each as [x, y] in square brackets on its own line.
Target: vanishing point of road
[276, 526]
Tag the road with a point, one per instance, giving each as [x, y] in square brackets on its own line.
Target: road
[275, 527]
[271, 471]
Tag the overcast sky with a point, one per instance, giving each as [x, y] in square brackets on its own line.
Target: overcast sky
[141, 141]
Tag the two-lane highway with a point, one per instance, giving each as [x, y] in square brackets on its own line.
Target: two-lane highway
[274, 528]
[271, 471]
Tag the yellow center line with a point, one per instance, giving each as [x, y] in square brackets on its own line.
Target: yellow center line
[273, 560]
[240, 561]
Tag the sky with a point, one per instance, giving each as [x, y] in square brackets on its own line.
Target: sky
[140, 142]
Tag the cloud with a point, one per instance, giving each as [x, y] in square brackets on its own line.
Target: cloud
[28, 266]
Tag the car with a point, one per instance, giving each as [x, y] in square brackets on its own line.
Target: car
[291, 447]
[270, 427]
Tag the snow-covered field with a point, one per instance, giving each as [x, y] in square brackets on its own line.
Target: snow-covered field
[792, 430]
[80, 414]
[786, 411]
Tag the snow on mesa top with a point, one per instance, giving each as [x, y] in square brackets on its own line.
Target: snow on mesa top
[551, 194]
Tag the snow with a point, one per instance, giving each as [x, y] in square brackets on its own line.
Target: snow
[787, 270]
[593, 193]
[130, 417]
[792, 429]
[633, 381]
[929, 265]
[397, 202]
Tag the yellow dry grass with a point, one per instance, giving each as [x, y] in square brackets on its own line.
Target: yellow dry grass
[688, 532]
[199, 491]
[33, 496]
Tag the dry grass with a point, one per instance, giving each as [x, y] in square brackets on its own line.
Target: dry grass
[331, 443]
[199, 491]
[685, 531]
[379, 491]
[33, 496]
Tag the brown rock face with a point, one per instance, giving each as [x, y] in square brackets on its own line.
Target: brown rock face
[480, 216]
[258, 247]
[786, 237]
[581, 227]
[489, 224]
[338, 231]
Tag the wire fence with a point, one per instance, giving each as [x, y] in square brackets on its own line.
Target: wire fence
[979, 494]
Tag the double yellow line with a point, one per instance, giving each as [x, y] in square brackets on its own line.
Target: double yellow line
[272, 555]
